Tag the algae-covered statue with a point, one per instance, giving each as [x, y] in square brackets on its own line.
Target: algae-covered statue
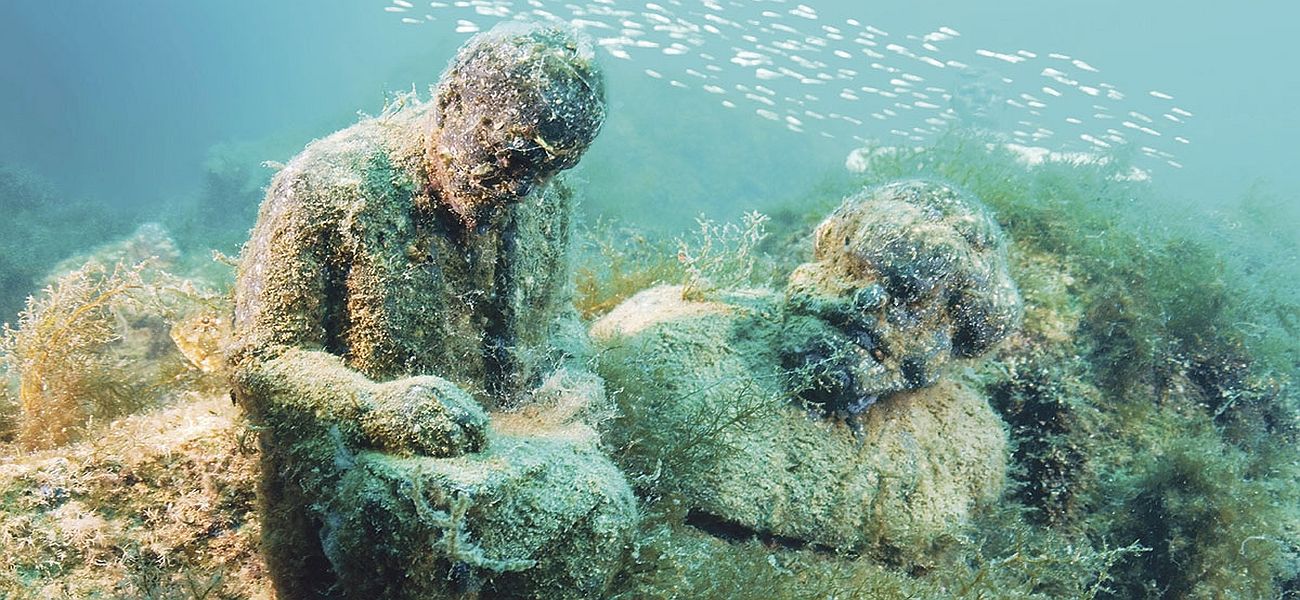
[827, 416]
[906, 277]
[407, 349]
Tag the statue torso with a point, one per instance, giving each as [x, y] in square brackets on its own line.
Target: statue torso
[407, 288]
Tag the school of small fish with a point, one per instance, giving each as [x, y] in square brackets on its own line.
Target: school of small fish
[780, 60]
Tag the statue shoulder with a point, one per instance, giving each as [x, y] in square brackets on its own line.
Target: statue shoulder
[336, 162]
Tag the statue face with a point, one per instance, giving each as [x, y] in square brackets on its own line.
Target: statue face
[905, 278]
[517, 105]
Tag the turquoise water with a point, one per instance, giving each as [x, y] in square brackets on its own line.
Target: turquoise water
[122, 106]
[1139, 156]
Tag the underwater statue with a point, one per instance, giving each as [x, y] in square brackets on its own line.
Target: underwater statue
[822, 415]
[407, 349]
[905, 278]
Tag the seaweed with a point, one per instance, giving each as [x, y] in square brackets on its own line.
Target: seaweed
[722, 256]
[95, 344]
[57, 352]
[1215, 528]
[614, 262]
[1009, 560]
[1050, 460]
[692, 438]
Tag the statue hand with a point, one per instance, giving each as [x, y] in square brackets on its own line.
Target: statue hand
[424, 415]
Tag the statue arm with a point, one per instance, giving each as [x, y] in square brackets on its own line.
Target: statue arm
[282, 368]
[301, 392]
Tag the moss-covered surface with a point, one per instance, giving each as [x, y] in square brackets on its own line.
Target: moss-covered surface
[707, 406]
[355, 255]
[157, 505]
[406, 277]
[1148, 398]
[517, 104]
[543, 514]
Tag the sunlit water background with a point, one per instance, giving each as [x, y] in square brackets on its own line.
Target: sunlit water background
[716, 106]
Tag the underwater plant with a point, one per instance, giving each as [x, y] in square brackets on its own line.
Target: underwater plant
[721, 256]
[57, 352]
[614, 262]
[1050, 460]
[1215, 527]
[97, 342]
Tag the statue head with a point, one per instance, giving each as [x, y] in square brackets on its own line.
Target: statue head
[905, 277]
[518, 104]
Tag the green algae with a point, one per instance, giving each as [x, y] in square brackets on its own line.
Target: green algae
[898, 490]
[97, 344]
[1145, 355]
[1152, 458]
[1145, 342]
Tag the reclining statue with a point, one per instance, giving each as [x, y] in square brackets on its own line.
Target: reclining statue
[407, 349]
[825, 415]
